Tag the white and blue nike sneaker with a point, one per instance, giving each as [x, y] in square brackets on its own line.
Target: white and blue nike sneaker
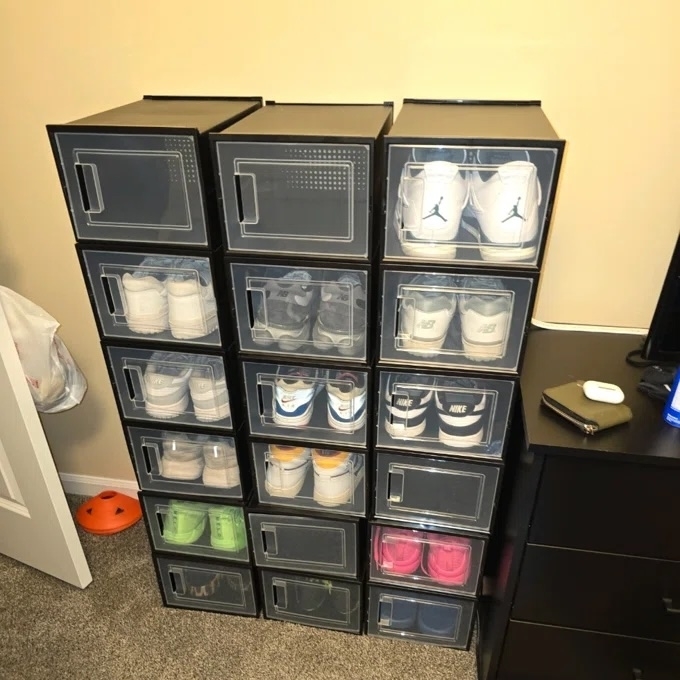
[294, 395]
[346, 401]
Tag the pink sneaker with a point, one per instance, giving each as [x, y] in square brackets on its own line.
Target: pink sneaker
[397, 551]
[448, 559]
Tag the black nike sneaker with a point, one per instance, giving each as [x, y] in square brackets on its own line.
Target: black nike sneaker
[407, 399]
[463, 412]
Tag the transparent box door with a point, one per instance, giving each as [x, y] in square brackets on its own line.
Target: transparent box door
[312, 601]
[170, 386]
[310, 478]
[309, 311]
[154, 297]
[324, 546]
[426, 560]
[307, 403]
[444, 414]
[420, 617]
[133, 187]
[206, 586]
[464, 321]
[446, 493]
[480, 205]
[185, 462]
[294, 197]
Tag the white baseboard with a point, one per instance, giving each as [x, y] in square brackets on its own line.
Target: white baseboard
[86, 485]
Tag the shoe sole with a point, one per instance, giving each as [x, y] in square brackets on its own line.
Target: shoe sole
[345, 497]
[499, 253]
[211, 415]
[347, 427]
[402, 432]
[436, 251]
[196, 328]
[423, 348]
[285, 492]
[286, 342]
[325, 342]
[178, 473]
[461, 442]
[149, 325]
[483, 352]
[295, 421]
[169, 411]
[220, 478]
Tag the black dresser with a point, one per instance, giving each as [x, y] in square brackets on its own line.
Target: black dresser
[583, 581]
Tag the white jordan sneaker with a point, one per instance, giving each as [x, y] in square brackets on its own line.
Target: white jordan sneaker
[145, 298]
[208, 388]
[431, 201]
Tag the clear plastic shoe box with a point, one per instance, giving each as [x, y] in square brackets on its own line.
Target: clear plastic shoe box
[171, 461]
[301, 310]
[442, 492]
[426, 560]
[470, 183]
[153, 296]
[309, 478]
[313, 601]
[307, 403]
[299, 179]
[136, 173]
[444, 414]
[455, 320]
[206, 586]
[158, 386]
[420, 617]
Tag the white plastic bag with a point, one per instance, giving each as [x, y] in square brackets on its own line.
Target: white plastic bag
[55, 381]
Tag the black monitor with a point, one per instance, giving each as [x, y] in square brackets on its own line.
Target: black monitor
[663, 340]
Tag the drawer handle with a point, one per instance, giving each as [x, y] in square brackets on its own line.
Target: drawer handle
[115, 304]
[668, 605]
[395, 486]
[177, 582]
[280, 595]
[89, 187]
[150, 468]
[269, 543]
[248, 212]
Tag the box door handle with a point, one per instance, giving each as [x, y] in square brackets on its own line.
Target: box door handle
[90, 188]
[257, 301]
[135, 384]
[177, 582]
[245, 186]
[385, 612]
[668, 606]
[269, 544]
[280, 595]
[115, 298]
[146, 448]
[395, 486]
[265, 401]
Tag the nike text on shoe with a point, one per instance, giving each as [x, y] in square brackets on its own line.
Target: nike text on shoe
[166, 380]
[341, 320]
[294, 394]
[431, 199]
[184, 522]
[336, 475]
[504, 202]
[284, 310]
[145, 297]
[192, 310]
[182, 459]
[208, 387]
[463, 412]
[397, 551]
[407, 398]
[221, 465]
[425, 314]
[485, 312]
[346, 402]
[287, 468]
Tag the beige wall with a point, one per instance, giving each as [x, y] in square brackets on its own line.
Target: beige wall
[606, 70]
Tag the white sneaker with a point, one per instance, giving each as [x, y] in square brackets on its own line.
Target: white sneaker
[208, 387]
[425, 314]
[346, 402]
[505, 203]
[485, 314]
[431, 201]
[336, 475]
[181, 459]
[221, 465]
[146, 300]
[166, 380]
[294, 396]
[192, 310]
[286, 470]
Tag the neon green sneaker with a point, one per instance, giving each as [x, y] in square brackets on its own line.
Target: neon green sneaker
[184, 522]
[227, 528]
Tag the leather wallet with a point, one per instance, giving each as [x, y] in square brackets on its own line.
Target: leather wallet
[589, 416]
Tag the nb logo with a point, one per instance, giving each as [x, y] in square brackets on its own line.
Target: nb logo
[458, 408]
[427, 324]
[486, 328]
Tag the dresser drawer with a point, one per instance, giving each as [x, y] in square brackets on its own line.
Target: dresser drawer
[609, 593]
[534, 652]
[608, 507]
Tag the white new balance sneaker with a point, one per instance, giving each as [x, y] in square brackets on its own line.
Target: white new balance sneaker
[336, 475]
[294, 394]
[192, 310]
[208, 387]
[431, 201]
[182, 459]
[425, 314]
[485, 313]
[286, 470]
[221, 465]
[346, 402]
[145, 297]
[505, 203]
[166, 380]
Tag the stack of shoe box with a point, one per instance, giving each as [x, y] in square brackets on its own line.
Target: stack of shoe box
[468, 198]
[139, 188]
[298, 187]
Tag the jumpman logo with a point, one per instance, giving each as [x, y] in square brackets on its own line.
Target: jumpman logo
[435, 211]
[514, 212]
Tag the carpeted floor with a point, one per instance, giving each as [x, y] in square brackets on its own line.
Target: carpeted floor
[117, 629]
